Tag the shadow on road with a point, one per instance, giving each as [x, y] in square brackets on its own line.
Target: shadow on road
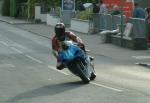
[47, 90]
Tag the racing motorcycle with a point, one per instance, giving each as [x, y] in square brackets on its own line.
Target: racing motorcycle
[77, 61]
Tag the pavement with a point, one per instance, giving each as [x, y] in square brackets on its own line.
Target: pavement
[93, 42]
[12, 20]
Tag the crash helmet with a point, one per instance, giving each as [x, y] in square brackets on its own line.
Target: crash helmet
[60, 31]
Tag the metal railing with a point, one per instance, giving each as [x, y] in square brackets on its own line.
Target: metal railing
[106, 21]
[111, 22]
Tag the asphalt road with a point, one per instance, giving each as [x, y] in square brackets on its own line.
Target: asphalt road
[28, 75]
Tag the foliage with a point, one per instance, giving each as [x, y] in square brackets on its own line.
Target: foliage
[83, 15]
[88, 1]
[31, 3]
[54, 3]
[6, 8]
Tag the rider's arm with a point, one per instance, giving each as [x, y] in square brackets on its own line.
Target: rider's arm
[54, 47]
[74, 38]
[55, 53]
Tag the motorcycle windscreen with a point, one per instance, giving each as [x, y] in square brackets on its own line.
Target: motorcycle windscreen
[71, 53]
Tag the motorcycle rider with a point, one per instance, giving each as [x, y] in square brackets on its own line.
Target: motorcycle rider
[60, 35]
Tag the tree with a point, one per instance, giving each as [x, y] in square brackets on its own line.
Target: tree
[31, 4]
[6, 8]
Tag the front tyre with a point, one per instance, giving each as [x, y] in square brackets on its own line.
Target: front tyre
[93, 74]
[82, 75]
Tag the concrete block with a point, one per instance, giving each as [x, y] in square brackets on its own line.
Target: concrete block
[135, 44]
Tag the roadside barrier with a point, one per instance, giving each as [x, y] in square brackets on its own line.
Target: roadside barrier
[137, 38]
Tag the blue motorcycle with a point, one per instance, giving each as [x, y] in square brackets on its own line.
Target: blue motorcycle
[77, 61]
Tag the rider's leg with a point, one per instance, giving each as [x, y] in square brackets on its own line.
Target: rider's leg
[83, 48]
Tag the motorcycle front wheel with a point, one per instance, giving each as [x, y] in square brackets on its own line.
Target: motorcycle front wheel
[93, 74]
[81, 68]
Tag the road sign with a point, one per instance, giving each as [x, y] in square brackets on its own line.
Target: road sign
[68, 5]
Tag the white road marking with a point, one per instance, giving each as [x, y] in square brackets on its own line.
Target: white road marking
[15, 49]
[107, 87]
[100, 85]
[4, 43]
[18, 45]
[141, 57]
[32, 58]
[7, 65]
[49, 79]
[60, 71]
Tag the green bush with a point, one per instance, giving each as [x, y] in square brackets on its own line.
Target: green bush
[6, 8]
[83, 15]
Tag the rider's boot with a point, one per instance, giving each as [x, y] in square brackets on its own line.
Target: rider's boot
[60, 66]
